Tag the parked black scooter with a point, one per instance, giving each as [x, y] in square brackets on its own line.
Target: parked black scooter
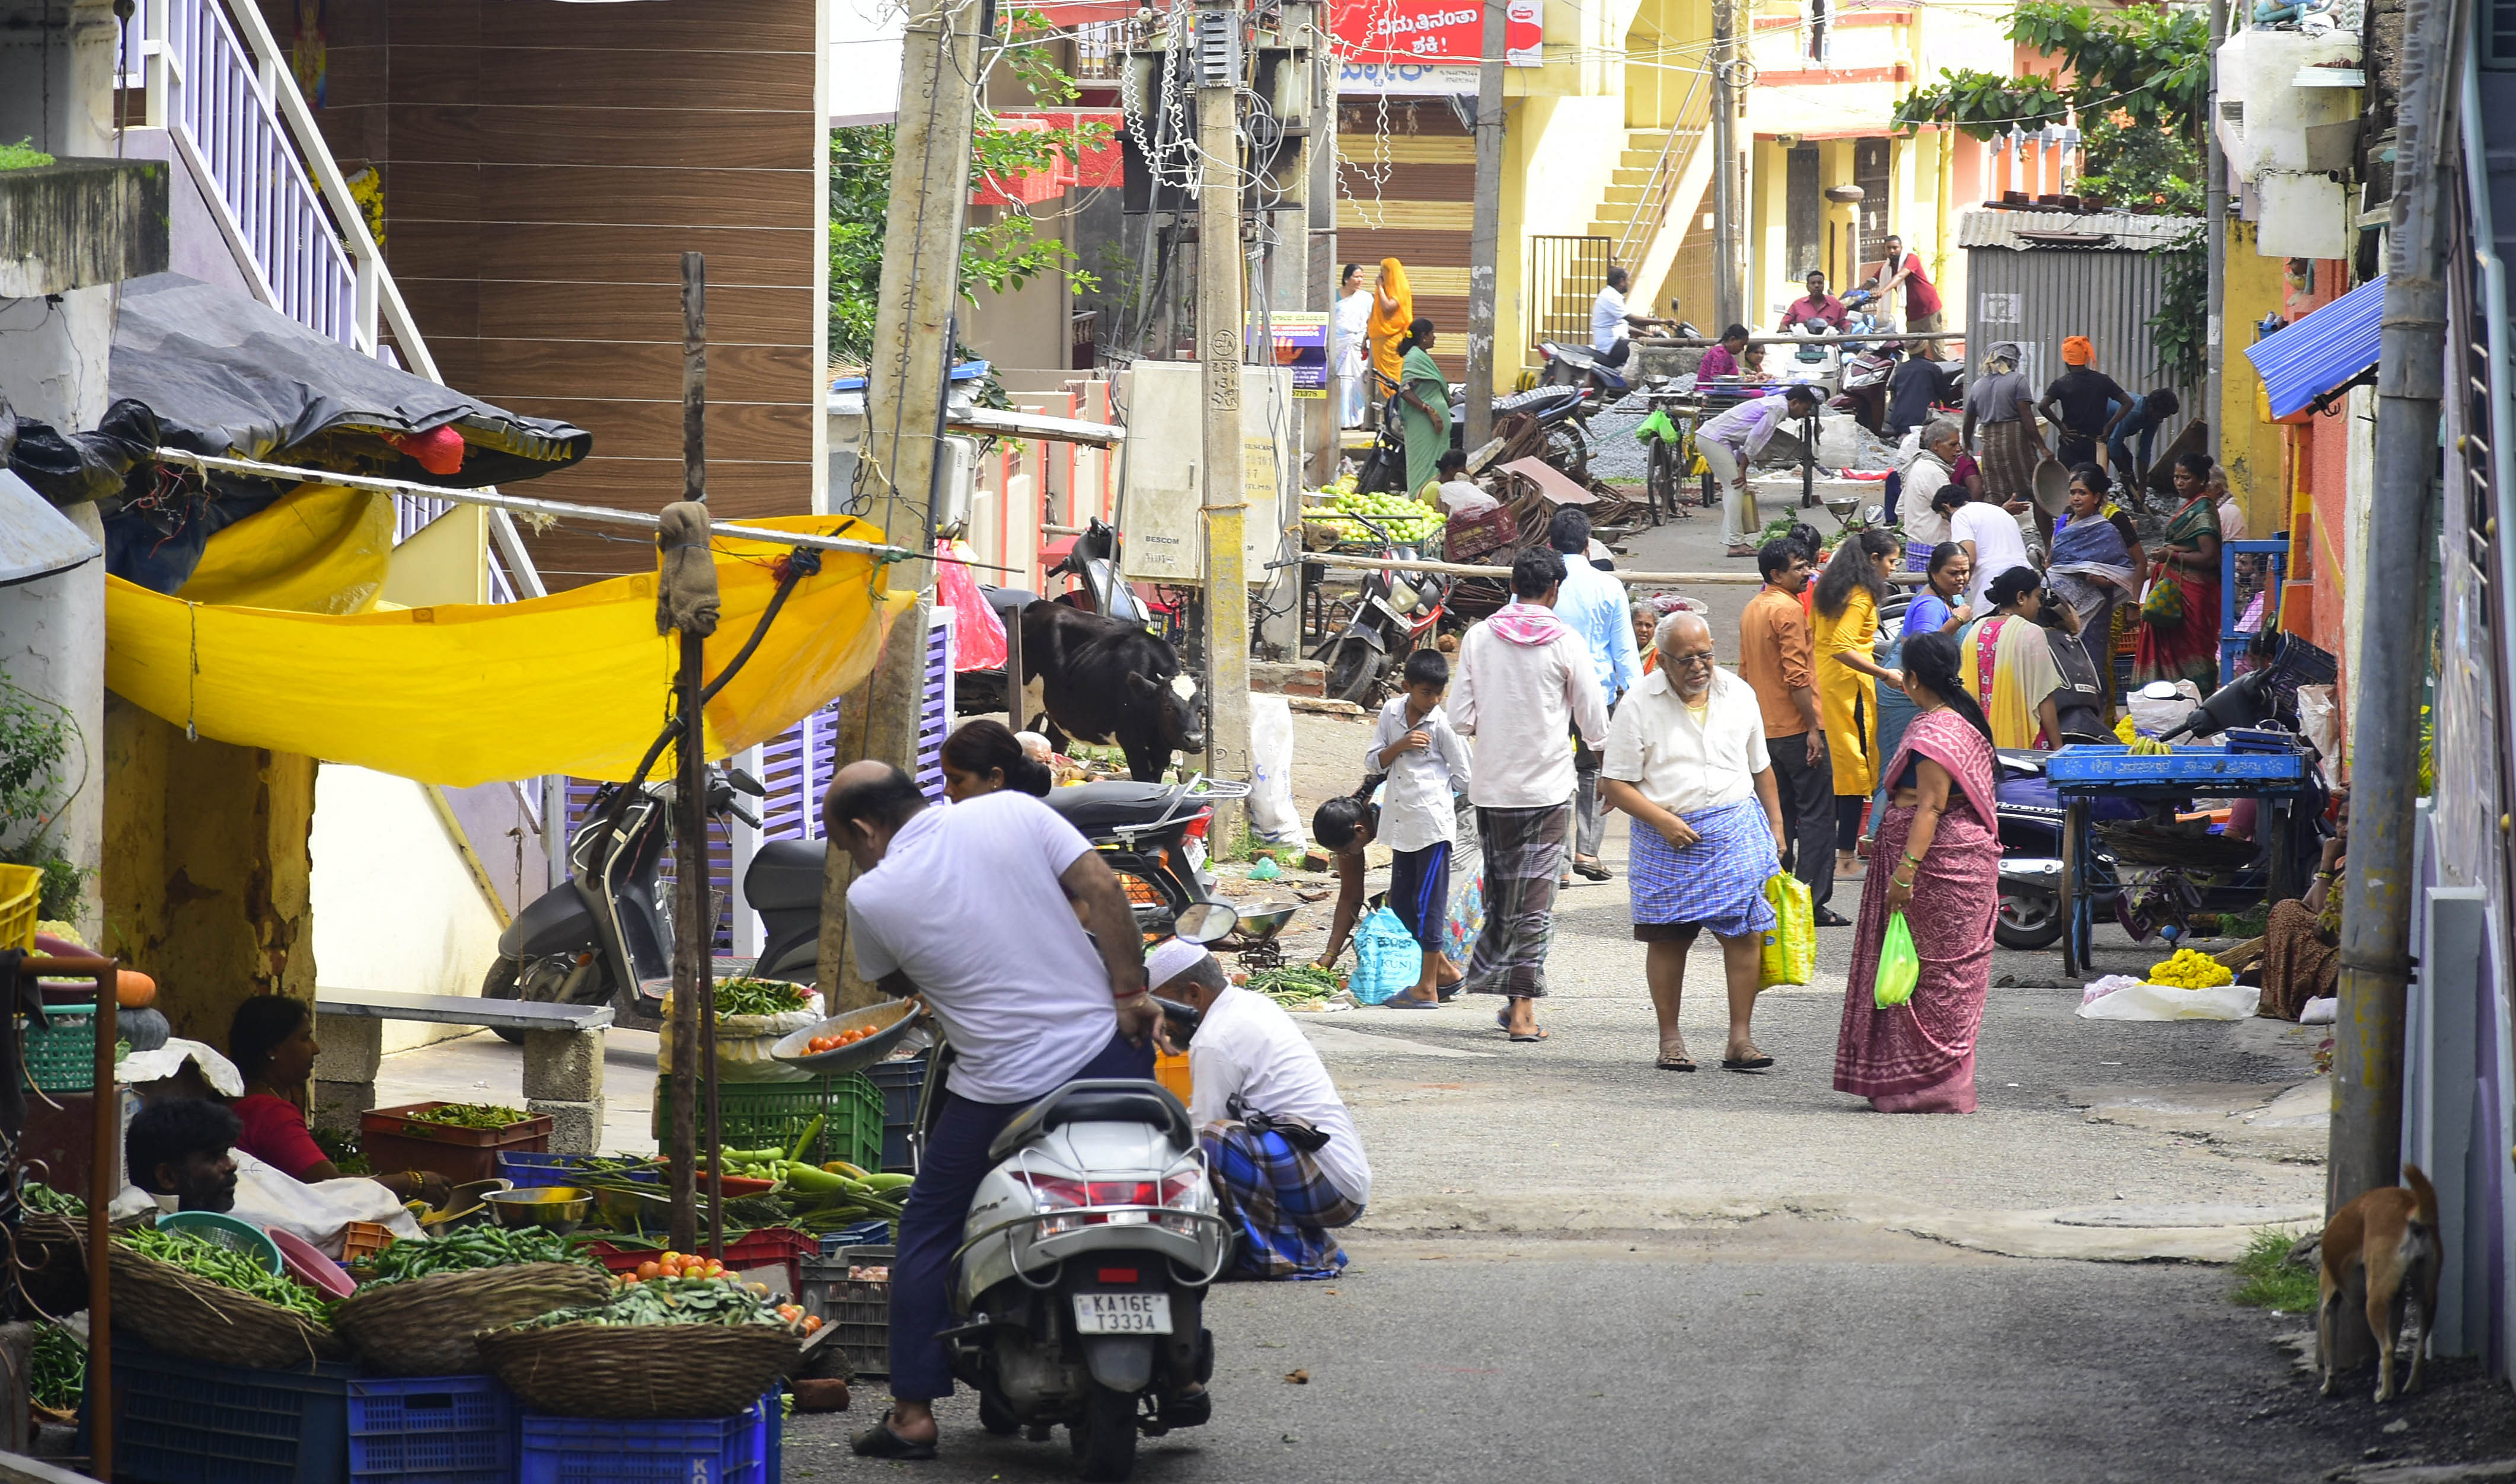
[608, 929]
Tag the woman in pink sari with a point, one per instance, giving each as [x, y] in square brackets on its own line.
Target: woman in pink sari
[1939, 833]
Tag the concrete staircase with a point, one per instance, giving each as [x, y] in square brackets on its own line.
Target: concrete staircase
[1650, 203]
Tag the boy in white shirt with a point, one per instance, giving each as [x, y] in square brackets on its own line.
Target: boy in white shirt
[1424, 764]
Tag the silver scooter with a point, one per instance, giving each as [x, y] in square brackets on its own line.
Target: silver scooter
[1079, 1284]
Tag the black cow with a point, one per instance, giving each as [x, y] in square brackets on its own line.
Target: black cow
[1104, 680]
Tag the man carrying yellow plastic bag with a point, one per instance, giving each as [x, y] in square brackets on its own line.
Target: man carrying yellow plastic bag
[1686, 761]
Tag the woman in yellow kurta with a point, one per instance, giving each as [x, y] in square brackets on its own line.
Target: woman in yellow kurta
[1843, 624]
[2007, 663]
[1392, 311]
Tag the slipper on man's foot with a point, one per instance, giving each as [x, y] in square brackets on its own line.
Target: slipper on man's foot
[1447, 993]
[1746, 1063]
[1675, 1064]
[1404, 1001]
[1537, 1034]
[1828, 917]
[1592, 870]
[880, 1442]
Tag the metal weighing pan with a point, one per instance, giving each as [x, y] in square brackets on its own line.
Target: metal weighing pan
[891, 1019]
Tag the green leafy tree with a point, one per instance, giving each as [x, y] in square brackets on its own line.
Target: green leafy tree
[2138, 81]
[996, 255]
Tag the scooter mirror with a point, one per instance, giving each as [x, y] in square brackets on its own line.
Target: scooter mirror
[1207, 922]
[744, 783]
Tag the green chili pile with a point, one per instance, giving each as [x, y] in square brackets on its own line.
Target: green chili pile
[468, 1115]
[58, 1378]
[205, 1258]
[469, 1248]
[742, 995]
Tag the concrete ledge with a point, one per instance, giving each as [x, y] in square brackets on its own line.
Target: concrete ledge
[80, 222]
[564, 1066]
[576, 1128]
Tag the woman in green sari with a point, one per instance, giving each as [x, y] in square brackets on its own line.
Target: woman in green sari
[2180, 639]
[1423, 406]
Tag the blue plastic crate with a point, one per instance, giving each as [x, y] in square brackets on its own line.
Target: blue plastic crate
[2088, 763]
[190, 1422]
[432, 1429]
[874, 1233]
[742, 1449]
[530, 1171]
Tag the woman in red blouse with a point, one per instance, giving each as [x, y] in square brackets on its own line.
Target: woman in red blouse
[272, 1041]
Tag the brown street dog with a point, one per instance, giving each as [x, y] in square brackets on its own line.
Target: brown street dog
[2392, 1233]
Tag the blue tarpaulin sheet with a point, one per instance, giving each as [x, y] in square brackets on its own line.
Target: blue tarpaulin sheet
[2321, 351]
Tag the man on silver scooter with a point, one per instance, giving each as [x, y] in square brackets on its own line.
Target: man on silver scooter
[973, 908]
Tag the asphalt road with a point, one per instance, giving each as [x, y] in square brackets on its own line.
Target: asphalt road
[1576, 1266]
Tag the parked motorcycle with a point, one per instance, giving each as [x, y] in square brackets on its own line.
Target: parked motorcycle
[1393, 613]
[1098, 586]
[1563, 412]
[608, 929]
[1079, 1289]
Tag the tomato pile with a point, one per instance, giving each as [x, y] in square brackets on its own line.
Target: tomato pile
[793, 1313]
[673, 1264]
[833, 1043]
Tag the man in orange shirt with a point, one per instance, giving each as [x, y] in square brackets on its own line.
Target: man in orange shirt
[1778, 661]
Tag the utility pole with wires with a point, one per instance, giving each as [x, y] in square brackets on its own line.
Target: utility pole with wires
[1222, 350]
[1485, 231]
[906, 387]
[1728, 291]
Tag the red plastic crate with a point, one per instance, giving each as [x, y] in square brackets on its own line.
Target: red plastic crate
[391, 1142]
[754, 1253]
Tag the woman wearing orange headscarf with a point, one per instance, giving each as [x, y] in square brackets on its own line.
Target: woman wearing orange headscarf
[1392, 311]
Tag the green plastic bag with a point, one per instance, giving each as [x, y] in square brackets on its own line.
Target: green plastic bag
[1656, 426]
[1900, 968]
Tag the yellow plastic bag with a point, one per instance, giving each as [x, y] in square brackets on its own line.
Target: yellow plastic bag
[1900, 968]
[1790, 947]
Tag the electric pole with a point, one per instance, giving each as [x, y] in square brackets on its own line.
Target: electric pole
[1485, 232]
[2215, 198]
[1221, 273]
[905, 388]
[1724, 170]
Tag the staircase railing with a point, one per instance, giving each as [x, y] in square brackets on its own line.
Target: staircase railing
[1686, 129]
[219, 85]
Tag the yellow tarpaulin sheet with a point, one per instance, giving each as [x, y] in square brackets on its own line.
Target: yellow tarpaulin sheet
[460, 694]
[318, 548]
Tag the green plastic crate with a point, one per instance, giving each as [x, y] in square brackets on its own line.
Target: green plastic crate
[755, 1115]
[62, 1057]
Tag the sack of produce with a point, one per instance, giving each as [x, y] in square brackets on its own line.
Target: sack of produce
[655, 1348]
[1387, 960]
[1790, 954]
[421, 1305]
[752, 1016]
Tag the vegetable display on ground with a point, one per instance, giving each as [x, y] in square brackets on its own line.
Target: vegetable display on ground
[675, 1301]
[471, 1247]
[225, 1265]
[745, 996]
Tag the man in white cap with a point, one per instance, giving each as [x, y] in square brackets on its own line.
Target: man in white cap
[1278, 1142]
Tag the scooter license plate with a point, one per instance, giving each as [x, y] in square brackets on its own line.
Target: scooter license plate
[1122, 1313]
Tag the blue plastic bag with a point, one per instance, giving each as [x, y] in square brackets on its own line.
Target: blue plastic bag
[1387, 960]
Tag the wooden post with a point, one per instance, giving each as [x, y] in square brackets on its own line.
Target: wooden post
[693, 987]
[1485, 231]
[1223, 468]
[104, 1158]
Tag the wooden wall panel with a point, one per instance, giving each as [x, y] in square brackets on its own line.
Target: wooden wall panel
[549, 164]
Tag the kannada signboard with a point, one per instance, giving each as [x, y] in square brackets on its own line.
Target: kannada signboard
[1301, 345]
[1391, 45]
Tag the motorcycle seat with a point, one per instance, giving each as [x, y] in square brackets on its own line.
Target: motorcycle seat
[787, 874]
[1104, 1100]
[1538, 399]
[1094, 807]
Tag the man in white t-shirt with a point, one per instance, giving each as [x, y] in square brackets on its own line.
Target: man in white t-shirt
[1991, 536]
[1612, 325]
[971, 907]
[1277, 1139]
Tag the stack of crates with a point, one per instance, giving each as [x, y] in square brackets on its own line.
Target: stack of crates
[746, 1448]
[441, 1429]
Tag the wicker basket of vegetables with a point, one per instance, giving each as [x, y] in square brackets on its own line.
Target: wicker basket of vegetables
[425, 1301]
[663, 1347]
[195, 1298]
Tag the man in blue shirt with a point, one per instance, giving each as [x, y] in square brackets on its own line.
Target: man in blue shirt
[1592, 604]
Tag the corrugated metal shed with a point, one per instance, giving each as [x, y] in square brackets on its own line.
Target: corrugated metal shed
[2321, 351]
[2037, 277]
[2025, 229]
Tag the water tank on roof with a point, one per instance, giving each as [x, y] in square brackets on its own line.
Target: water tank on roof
[2264, 114]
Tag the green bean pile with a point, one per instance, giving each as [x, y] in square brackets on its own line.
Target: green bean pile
[469, 1247]
[205, 1258]
[34, 1195]
[468, 1115]
[1295, 984]
[670, 1300]
[758, 997]
[58, 1379]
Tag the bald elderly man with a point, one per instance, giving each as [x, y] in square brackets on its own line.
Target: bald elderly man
[1686, 761]
[974, 906]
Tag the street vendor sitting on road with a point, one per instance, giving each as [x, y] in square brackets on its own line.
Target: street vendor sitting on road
[179, 1148]
[973, 908]
[1286, 1159]
[271, 1041]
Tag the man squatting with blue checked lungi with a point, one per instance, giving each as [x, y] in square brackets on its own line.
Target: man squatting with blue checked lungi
[1686, 761]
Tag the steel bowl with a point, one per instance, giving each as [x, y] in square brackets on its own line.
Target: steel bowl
[1259, 923]
[463, 1207]
[648, 1208]
[556, 1208]
[891, 1020]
